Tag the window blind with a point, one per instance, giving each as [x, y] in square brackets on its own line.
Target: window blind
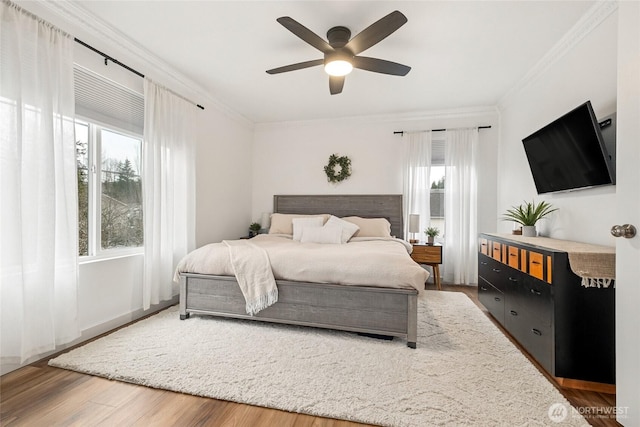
[437, 152]
[107, 102]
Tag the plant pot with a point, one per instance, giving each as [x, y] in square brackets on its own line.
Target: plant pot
[430, 240]
[529, 231]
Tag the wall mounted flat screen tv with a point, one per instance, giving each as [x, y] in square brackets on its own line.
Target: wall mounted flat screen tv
[569, 153]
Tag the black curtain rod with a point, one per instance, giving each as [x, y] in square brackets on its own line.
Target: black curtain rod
[108, 58]
[400, 132]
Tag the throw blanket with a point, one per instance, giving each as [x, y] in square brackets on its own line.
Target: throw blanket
[252, 269]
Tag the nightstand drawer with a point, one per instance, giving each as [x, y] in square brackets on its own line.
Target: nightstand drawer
[427, 254]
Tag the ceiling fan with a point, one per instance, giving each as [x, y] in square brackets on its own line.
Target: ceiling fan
[341, 52]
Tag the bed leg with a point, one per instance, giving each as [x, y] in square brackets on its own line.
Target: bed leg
[183, 298]
[412, 320]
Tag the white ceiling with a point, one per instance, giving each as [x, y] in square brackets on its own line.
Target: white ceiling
[463, 54]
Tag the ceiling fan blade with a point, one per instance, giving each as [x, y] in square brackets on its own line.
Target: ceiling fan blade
[376, 32]
[336, 84]
[380, 66]
[298, 66]
[305, 34]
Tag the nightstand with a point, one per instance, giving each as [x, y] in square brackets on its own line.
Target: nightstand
[430, 255]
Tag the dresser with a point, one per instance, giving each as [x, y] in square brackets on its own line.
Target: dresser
[528, 286]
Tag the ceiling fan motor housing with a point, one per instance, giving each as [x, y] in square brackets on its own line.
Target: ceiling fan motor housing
[338, 36]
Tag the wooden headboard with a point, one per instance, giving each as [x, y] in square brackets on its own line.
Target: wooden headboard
[363, 205]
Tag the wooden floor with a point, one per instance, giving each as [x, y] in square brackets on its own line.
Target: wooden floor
[39, 395]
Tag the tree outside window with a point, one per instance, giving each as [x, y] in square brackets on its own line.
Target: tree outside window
[110, 210]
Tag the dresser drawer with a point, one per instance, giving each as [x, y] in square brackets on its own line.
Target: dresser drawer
[496, 251]
[537, 297]
[492, 271]
[427, 254]
[513, 257]
[484, 246]
[536, 265]
[532, 334]
[492, 299]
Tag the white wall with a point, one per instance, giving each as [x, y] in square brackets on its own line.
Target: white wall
[289, 158]
[586, 72]
[223, 179]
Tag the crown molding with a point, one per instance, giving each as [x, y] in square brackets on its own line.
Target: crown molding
[416, 116]
[157, 69]
[585, 25]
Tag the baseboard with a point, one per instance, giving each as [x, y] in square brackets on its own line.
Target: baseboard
[586, 385]
[95, 331]
[119, 321]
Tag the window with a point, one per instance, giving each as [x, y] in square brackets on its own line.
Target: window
[109, 154]
[109, 189]
[437, 188]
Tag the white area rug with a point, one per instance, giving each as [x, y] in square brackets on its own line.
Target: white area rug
[464, 371]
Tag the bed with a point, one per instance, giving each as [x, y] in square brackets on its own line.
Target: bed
[374, 310]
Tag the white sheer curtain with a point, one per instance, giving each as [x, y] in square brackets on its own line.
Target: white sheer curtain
[38, 188]
[168, 186]
[417, 168]
[461, 206]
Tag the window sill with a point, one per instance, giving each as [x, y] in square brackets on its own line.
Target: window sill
[111, 255]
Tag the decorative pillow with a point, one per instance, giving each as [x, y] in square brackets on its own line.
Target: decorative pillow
[347, 229]
[321, 235]
[370, 227]
[281, 223]
[300, 223]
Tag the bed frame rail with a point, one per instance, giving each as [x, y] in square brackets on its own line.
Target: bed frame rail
[364, 309]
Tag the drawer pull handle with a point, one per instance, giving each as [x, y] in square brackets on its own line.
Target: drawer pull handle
[513, 255]
[537, 332]
[483, 244]
[483, 263]
[535, 292]
[483, 288]
[496, 298]
[497, 270]
[535, 262]
[514, 313]
[513, 279]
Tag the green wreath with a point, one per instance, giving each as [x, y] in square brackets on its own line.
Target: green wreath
[345, 168]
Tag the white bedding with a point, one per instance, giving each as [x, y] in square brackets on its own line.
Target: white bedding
[382, 262]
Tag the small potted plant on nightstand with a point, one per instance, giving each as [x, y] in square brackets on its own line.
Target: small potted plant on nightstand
[254, 229]
[432, 233]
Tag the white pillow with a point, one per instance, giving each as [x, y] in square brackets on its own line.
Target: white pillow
[347, 229]
[300, 223]
[321, 235]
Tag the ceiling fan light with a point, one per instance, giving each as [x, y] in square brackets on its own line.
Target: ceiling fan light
[338, 68]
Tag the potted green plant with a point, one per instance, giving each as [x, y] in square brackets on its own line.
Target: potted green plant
[528, 214]
[254, 229]
[432, 233]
